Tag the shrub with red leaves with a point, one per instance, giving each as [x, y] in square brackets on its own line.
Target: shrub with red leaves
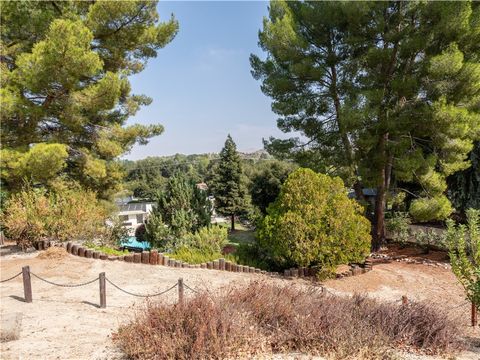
[264, 318]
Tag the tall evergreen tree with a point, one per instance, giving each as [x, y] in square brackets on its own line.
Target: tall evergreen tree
[228, 185]
[65, 91]
[379, 90]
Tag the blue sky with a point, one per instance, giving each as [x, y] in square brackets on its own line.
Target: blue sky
[201, 84]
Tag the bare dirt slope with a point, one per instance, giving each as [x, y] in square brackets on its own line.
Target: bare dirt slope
[65, 323]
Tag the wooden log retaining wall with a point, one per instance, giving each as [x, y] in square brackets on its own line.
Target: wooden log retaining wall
[153, 257]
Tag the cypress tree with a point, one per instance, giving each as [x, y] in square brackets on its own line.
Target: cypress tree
[228, 186]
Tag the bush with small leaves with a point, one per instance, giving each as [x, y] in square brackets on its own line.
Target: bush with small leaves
[314, 223]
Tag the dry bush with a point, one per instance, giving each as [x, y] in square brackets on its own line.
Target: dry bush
[201, 329]
[53, 253]
[62, 213]
[262, 318]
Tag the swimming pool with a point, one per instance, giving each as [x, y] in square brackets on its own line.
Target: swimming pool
[131, 243]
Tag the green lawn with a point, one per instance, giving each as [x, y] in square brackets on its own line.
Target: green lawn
[239, 236]
[106, 249]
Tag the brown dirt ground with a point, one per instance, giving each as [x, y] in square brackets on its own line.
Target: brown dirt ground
[66, 323]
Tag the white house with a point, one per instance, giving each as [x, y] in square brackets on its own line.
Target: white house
[133, 214]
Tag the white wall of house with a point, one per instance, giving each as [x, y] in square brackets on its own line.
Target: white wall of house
[131, 219]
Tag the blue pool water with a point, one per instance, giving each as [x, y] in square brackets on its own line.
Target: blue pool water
[132, 243]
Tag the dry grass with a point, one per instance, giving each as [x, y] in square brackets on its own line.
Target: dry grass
[262, 318]
[53, 253]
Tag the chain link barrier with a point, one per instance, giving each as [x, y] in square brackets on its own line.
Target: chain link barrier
[11, 278]
[64, 285]
[189, 288]
[324, 289]
[140, 295]
[450, 309]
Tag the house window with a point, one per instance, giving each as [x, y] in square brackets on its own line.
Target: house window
[123, 217]
[139, 218]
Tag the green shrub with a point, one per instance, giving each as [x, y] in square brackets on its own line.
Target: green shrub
[313, 222]
[398, 225]
[250, 255]
[203, 246]
[212, 239]
[464, 251]
[195, 255]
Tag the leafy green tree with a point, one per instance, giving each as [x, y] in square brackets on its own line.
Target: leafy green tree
[228, 185]
[464, 250]
[145, 178]
[148, 177]
[314, 223]
[267, 181]
[65, 88]
[380, 91]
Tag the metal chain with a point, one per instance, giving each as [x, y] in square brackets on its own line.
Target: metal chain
[457, 306]
[189, 288]
[11, 278]
[140, 295]
[64, 285]
[328, 291]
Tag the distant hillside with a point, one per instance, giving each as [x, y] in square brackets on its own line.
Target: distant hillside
[256, 155]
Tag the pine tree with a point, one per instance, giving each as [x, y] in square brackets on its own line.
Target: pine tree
[228, 185]
[381, 92]
[65, 91]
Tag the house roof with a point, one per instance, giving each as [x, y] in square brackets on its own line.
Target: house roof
[365, 191]
[369, 192]
[133, 207]
[202, 186]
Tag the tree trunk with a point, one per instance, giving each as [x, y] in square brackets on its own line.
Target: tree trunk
[380, 199]
[233, 221]
[358, 191]
[379, 218]
[347, 146]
